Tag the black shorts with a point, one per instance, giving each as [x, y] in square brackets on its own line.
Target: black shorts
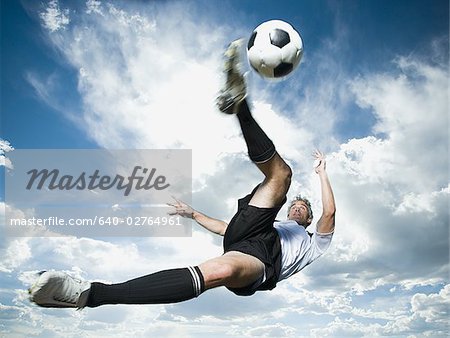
[251, 231]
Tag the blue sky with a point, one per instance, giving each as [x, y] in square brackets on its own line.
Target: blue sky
[371, 91]
[375, 33]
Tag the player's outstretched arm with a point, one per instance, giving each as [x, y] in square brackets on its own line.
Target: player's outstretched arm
[214, 225]
[326, 222]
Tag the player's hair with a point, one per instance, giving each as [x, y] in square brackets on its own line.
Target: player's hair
[305, 200]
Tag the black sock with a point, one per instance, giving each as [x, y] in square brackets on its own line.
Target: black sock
[260, 147]
[169, 286]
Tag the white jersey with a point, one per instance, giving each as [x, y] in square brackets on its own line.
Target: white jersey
[298, 248]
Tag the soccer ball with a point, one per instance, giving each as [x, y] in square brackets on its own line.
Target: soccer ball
[274, 49]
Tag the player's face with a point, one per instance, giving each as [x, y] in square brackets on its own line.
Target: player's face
[299, 213]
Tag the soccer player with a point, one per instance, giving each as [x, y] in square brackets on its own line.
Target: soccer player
[258, 250]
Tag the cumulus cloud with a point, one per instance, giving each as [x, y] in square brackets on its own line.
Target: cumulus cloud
[15, 254]
[434, 308]
[157, 102]
[5, 147]
[53, 17]
[411, 110]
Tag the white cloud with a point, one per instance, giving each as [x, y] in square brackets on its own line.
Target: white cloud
[421, 202]
[411, 108]
[5, 147]
[434, 308]
[427, 317]
[14, 255]
[94, 6]
[347, 328]
[54, 18]
[132, 102]
[277, 330]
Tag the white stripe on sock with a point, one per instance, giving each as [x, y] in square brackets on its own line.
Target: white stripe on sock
[195, 280]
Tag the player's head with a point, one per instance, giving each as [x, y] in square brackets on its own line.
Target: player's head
[300, 211]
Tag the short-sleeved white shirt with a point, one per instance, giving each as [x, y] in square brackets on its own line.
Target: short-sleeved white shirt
[298, 248]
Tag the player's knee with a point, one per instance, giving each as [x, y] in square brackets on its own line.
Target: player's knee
[284, 175]
[226, 272]
[218, 273]
[287, 172]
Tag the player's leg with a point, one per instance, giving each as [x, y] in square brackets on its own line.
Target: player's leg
[261, 149]
[58, 289]
[167, 286]
[234, 270]
[272, 191]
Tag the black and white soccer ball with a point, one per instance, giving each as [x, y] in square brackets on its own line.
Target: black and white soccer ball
[274, 49]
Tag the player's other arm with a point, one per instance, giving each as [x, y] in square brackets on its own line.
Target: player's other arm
[326, 222]
[212, 224]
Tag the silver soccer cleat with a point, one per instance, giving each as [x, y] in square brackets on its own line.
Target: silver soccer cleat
[59, 290]
[234, 91]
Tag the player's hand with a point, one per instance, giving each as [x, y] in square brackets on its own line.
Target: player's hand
[181, 209]
[319, 162]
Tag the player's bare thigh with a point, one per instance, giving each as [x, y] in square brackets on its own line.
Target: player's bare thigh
[234, 269]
